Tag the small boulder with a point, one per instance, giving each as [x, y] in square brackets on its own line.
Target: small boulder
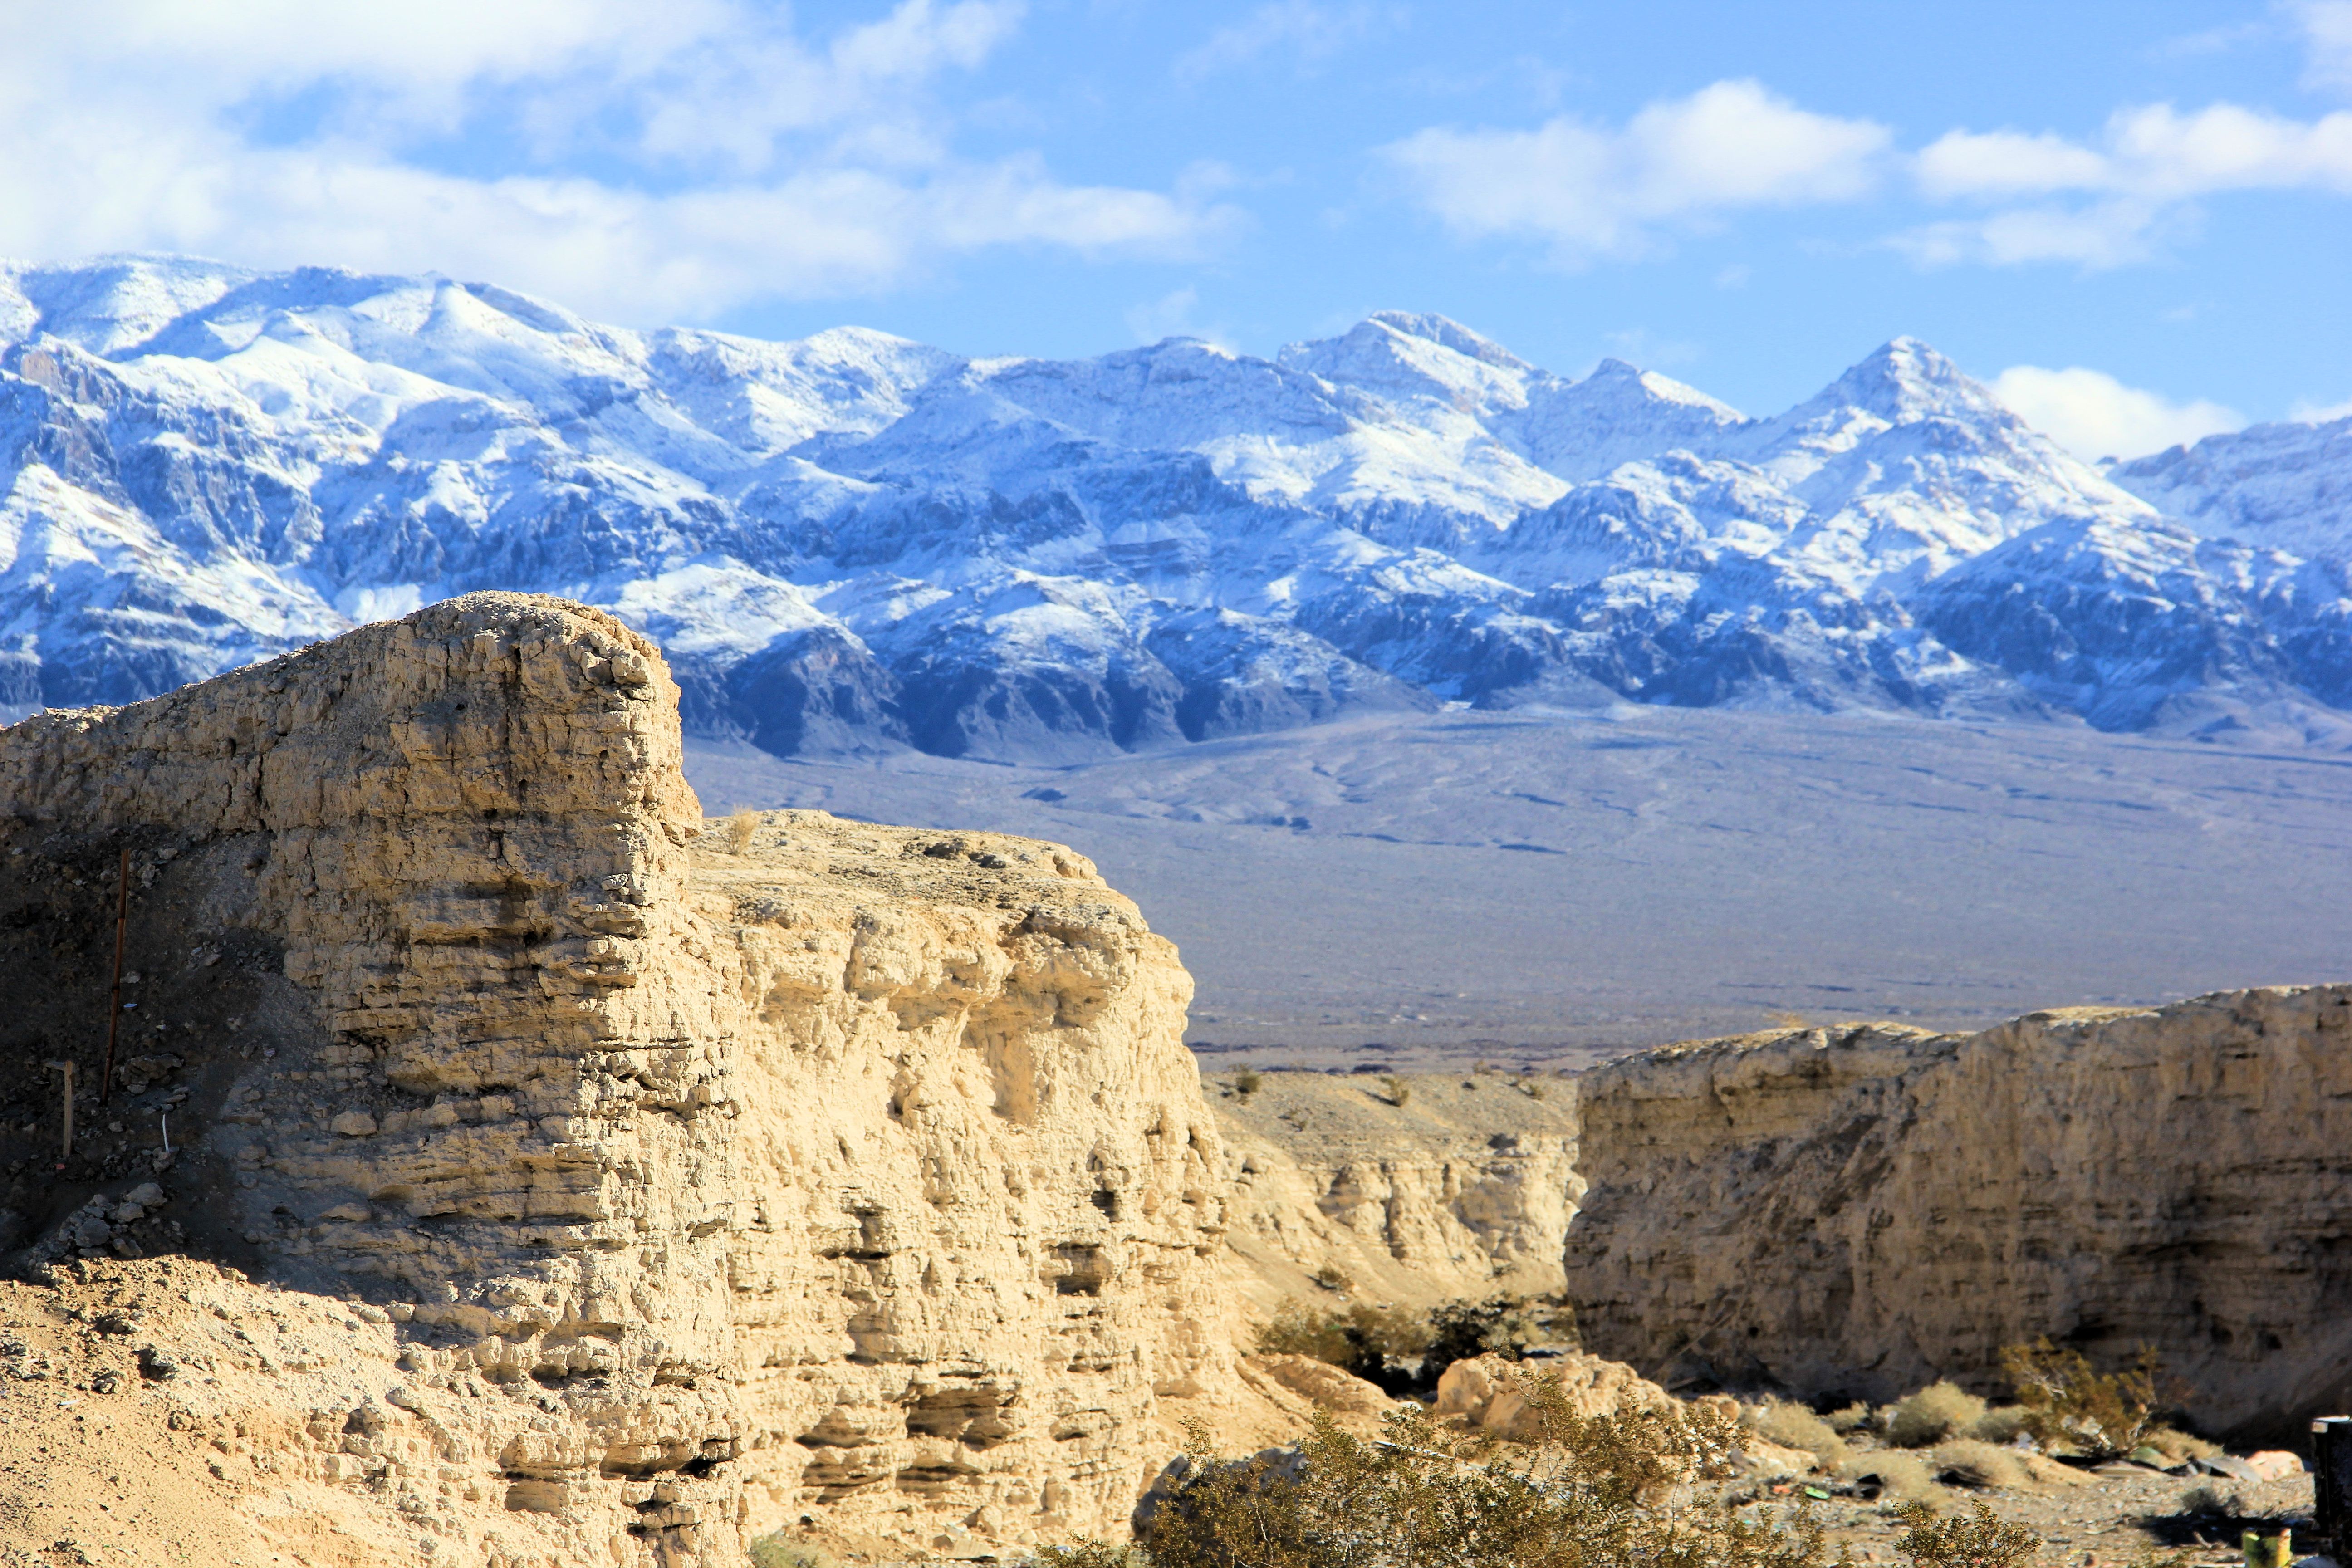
[2274, 1464]
[2227, 1465]
[1484, 1391]
[354, 1125]
[1762, 1460]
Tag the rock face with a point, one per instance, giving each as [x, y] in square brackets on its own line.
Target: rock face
[1857, 1211]
[713, 1178]
[1463, 1190]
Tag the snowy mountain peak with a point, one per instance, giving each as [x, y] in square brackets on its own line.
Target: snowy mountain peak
[854, 540]
[1906, 381]
[1616, 372]
[2285, 485]
[1448, 334]
[110, 303]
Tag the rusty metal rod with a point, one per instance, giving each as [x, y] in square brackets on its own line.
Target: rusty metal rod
[114, 1006]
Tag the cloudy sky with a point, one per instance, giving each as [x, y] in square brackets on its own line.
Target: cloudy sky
[2135, 217]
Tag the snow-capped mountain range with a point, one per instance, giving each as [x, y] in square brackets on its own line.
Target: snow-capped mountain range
[857, 540]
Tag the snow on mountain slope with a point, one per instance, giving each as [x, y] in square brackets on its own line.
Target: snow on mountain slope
[2288, 487]
[855, 541]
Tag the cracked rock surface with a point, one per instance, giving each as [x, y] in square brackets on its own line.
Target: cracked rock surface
[699, 1179]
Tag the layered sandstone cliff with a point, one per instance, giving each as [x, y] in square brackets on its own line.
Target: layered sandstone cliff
[710, 1180]
[1856, 1212]
[1416, 1189]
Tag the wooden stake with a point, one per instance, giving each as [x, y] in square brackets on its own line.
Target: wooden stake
[66, 1069]
[114, 1006]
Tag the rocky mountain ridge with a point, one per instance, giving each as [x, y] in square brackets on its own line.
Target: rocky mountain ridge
[855, 542]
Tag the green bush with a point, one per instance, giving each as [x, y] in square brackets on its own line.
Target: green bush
[2068, 1405]
[1403, 1351]
[1852, 1418]
[1376, 1343]
[1592, 1492]
[1504, 1325]
[1933, 1413]
[780, 1551]
[1983, 1540]
[2002, 1424]
[1248, 1081]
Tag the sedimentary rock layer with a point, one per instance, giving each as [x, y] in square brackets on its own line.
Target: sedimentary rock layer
[1856, 1211]
[712, 1178]
[1411, 1189]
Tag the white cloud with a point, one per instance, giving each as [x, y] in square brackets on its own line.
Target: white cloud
[1314, 31]
[2328, 40]
[1169, 316]
[2155, 152]
[643, 163]
[2108, 204]
[1593, 191]
[2097, 235]
[2321, 412]
[2093, 416]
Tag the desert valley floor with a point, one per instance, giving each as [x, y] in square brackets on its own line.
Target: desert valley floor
[1547, 888]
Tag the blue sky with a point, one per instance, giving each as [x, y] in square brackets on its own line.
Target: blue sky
[2134, 218]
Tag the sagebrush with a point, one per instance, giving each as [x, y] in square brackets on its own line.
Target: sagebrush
[1980, 1539]
[2069, 1403]
[1938, 1411]
[1402, 1351]
[1590, 1492]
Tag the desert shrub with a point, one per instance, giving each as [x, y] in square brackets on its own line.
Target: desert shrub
[1502, 1324]
[2178, 1446]
[1970, 1462]
[1982, 1540]
[1932, 1415]
[1852, 1418]
[1591, 1491]
[1405, 1351]
[2210, 1501]
[1794, 1427]
[1092, 1554]
[1331, 1276]
[780, 1551]
[740, 827]
[2068, 1404]
[1376, 1343]
[1900, 1472]
[1248, 1081]
[1398, 1091]
[2002, 1424]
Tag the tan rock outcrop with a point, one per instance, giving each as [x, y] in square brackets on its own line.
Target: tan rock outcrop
[710, 1179]
[1462, 1191]
[1856, 1212]
[1490, 1393]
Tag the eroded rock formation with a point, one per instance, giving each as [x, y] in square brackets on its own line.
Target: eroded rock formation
[1460, 1188]
[711, 1178]
[1856, 1212]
